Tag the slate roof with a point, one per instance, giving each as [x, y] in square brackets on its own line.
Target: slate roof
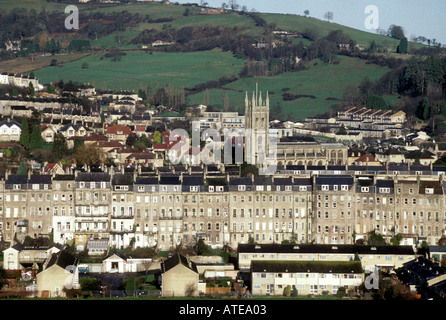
[176, 260]
[307, 266]
[193, 180]
[384, 183]
[169, 180]
[63, 259]
[334, 180]
[40, 179]
[17, 179]
[93, 176]
[146, 180]
[122, 179]
[324, 248]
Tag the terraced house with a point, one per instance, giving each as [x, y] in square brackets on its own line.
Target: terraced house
[171, 206]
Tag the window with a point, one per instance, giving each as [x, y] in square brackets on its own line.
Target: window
[325, 187]
[241, 188]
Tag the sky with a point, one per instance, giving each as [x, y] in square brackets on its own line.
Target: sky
[418, 18]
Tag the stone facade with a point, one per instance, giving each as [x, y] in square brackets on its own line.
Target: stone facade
[166, 209]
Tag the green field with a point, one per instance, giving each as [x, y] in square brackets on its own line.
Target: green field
[322, 81]
[139, 69]
[291, 22]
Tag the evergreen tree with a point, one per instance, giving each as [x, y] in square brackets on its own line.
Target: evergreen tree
[36, 141]
[426, 108]
[403, 47]
[156, 137]
[22, 170]
[60, 147]
[24, 134]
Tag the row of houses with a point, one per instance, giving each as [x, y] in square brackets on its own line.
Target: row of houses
[20, 80]
[163, 209]
[260, 269]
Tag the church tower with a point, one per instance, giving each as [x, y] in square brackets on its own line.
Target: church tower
[257, 127]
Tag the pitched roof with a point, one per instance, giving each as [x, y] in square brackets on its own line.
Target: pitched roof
[114, 129]
[62, 258]
[176, 260]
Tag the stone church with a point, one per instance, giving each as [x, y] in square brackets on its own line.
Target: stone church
[263, 148]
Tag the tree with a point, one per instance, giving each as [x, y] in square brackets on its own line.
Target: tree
[22, 170]
[396, 32]
[233, 5]
[307, 12]
[156, 137]
[375, 239]
[376, 102]
[36, 141]
[342, 130]
[60, 147]
[201, 248]
[24, 134]
[88, 154]
[426, 108]
[328, 15]
[403, 47]
[396, 239]
[32, 91]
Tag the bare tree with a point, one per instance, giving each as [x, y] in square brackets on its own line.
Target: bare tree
[233, 5]
[328, 15]
[190, 289]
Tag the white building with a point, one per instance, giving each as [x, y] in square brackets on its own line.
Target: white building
[307, 277]
[10, 131]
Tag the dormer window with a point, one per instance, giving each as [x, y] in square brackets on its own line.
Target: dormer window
[429, 190]
[194, 188]
[344, 187]
[220, 188]
[259, 188]
[364, 189]
[325, 187]
[384, 190]
[211, 188]
[241, 187]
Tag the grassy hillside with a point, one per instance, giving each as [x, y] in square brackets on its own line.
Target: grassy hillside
[321, 81]
[300, 23]
[139, 69]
